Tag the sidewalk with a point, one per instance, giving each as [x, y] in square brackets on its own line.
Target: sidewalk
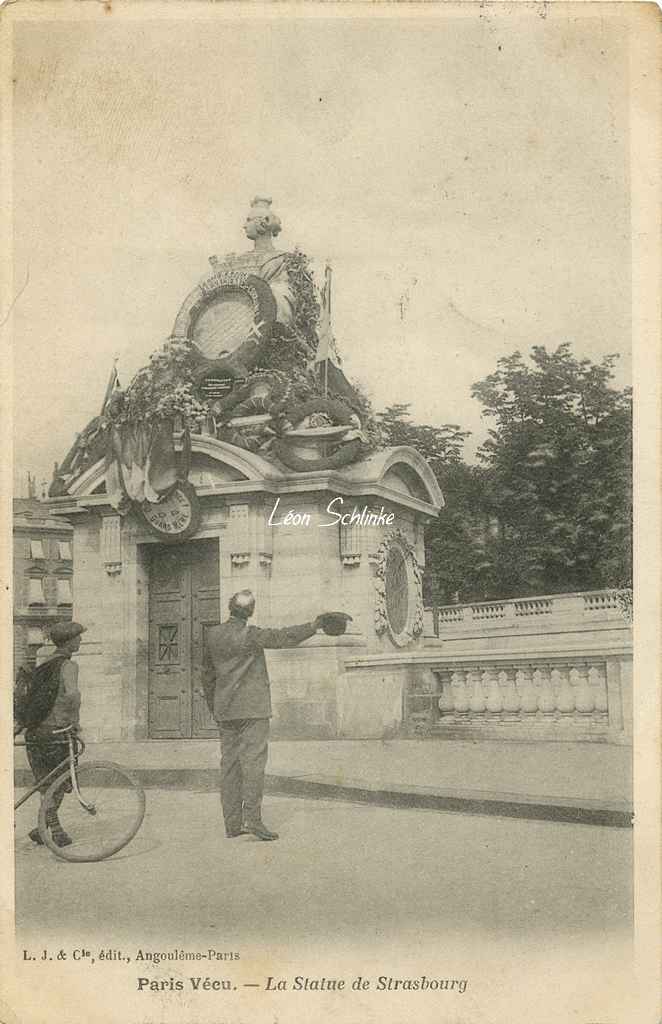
[580, 782]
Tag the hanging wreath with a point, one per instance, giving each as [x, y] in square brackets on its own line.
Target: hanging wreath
[342, 457]
[339, 413]
[273, 385]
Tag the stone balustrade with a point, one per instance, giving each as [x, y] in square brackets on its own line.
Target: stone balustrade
[587, 607]
[582, 694]
[542, 695]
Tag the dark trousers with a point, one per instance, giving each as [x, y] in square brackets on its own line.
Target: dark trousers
[44, 754]
[244, 749]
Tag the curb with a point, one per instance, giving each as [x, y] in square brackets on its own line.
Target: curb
[583, 812]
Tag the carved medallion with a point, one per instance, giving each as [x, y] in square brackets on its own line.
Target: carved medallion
[228, 318]
[399, 590]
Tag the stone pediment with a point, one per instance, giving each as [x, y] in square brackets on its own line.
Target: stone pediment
[399, 474]
[402, 470]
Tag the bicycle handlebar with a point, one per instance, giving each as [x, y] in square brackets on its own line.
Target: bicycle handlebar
[70, 735]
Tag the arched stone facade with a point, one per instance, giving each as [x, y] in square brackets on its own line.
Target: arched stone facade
[296, 566]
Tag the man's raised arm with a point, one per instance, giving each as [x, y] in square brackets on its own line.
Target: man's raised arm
[273, 639]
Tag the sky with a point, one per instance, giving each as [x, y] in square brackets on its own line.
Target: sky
[466, 176]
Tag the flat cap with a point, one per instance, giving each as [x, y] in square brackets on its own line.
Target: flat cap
[334, 623]
[61, 632]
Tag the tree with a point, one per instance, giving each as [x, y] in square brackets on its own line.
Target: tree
[558, 474]
[452, 541]
[455, 541]
[441, 446]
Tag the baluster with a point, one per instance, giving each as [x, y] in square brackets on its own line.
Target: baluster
[446, 700]
[555, 683]
[461, 697]
[584, 701]
[511, 699]
[567, 695]
[527, 691]
[494, 701]
[477, 699]
[546, 702]
[598, 683]
[565, 701]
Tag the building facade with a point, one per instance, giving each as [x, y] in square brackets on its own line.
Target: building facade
[42, 576]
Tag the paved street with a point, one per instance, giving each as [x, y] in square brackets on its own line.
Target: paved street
[361, 870]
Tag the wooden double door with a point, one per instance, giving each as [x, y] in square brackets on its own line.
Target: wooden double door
[184, 601]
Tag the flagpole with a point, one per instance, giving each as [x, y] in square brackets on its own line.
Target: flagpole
[327, 295]
[112, 382]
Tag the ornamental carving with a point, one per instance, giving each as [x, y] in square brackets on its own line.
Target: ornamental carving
[399, 590]
[252, 361]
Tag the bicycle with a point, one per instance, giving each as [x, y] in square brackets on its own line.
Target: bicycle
[107, 811]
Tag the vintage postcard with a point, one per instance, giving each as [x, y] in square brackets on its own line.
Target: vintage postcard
[331, 480]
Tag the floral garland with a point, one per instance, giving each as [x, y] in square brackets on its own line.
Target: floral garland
[167, 387]
[306, 304]
[162, 389]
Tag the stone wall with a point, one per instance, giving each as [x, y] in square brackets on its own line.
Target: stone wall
[294, 571]
[582, 694]
[98, 604]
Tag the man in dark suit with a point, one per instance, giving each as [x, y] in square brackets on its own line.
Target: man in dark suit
[236, 685]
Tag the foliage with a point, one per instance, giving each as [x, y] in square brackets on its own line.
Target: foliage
[548, 509]
[165, 387]
[455, 541]
[626, 602]
[557, 475]
[439, 445]
[306, 303]
[161, 389]
[451, 553]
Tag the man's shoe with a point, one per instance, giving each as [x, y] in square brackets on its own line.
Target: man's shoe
[36, 837]
[233, 833]
[262, 832]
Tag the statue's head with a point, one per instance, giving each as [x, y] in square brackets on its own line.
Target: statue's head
[242, 604]
[261, 220]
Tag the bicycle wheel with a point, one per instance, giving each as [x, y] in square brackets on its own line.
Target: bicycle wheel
[111, 812]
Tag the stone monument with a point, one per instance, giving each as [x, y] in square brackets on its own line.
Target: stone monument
[234, 460]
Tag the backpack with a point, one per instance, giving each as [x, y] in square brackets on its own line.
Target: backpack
[35, 693]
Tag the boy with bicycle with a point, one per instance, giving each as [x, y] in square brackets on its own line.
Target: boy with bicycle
[54, 704]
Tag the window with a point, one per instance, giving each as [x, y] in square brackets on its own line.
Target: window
[35, 636]
[36, 549]
[64, 595]
[169, 644]
[65, 550]
[36, 591]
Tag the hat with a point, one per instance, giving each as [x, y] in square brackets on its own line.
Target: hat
[334, 623]
[61, 632]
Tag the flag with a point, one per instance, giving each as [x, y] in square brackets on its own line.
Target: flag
[326, 349]
[327, 361]
[113, 382]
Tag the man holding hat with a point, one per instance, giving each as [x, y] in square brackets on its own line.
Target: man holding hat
[236, 685]
[44, 749]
